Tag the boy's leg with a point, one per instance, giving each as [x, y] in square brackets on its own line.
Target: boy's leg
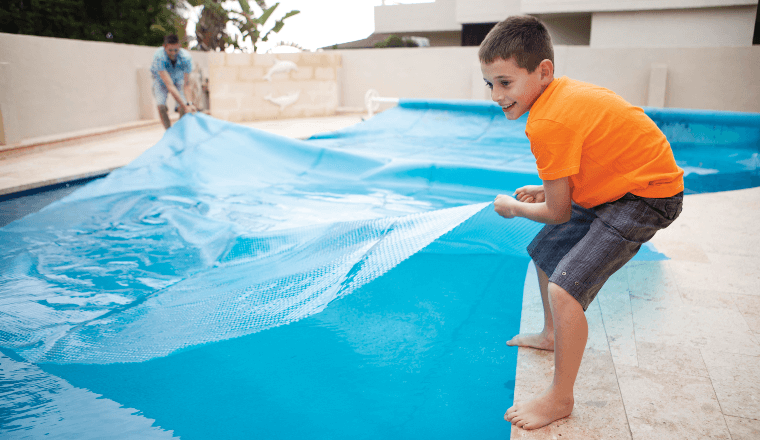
[570, 336]
[163, 113]
[547, 250]
[160, 93]
[545, 339]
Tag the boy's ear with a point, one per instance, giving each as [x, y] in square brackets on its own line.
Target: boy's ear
[547, 69]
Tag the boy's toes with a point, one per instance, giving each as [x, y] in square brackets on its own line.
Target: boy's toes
[510, 414]
[518, 421]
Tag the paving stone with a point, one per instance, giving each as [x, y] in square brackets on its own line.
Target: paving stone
[736, 379]
[669, 406]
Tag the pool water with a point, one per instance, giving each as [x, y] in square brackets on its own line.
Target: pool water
[230, 283]
[419, 353]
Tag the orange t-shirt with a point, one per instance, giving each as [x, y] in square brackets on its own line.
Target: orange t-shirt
[606, 146]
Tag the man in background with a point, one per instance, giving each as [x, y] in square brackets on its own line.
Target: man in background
[170, 69]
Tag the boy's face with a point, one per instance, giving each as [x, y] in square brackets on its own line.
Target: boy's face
[172, 50]
[514, 88]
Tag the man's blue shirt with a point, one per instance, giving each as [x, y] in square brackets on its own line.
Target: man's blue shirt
[177, 70]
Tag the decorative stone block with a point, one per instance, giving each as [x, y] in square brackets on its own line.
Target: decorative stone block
[222, 74]
[237, 59]
[228, 103]
[326, 73]
[303, 73]
[274, 86]
[218, 89]
[216, 58]
[294, 57]
[252, 73]
[321, 59]
[242, 88]
[264, 59]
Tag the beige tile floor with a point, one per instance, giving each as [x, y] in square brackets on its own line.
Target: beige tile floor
[674, 346]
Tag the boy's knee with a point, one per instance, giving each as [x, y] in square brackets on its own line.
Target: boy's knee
[561, 297]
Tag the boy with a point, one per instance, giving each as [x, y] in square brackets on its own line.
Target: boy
[170, 68]
[610, 181]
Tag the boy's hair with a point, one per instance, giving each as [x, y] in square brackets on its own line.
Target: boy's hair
[523, 38]
[171, 39]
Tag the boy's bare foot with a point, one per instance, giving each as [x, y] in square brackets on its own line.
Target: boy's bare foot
[540, 411]
[542, 341]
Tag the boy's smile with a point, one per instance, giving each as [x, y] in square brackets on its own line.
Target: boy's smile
[513, 87]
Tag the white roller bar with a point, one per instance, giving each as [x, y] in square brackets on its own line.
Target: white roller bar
[372, 101]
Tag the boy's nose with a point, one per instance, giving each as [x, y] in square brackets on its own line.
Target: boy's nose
[495, 95]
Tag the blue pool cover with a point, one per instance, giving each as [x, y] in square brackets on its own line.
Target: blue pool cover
[153, 303]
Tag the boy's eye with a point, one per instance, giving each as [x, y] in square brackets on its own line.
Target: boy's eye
[489, 85]
[505, 83]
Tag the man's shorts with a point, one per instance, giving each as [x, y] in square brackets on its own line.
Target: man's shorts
[583, 253]
[160, 92]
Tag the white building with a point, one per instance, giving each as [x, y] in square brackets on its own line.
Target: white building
[595, 23]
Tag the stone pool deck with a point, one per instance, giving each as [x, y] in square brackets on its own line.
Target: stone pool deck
[53, 160]
[674, 346]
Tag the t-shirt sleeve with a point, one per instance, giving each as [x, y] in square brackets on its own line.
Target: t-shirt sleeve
[154, 64]
[556, 147]
[188, 63]
[158, 63]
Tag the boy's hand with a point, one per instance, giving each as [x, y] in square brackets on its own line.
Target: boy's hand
[531, 194]
[549, 203]
[504, 206]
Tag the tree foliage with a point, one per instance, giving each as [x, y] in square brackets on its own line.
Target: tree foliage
[119, 21]
[396, 41]
[211, 31]
[143, 22]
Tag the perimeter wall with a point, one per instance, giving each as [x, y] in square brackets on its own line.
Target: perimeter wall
[712, 78]
[50, 86]
[55, 87]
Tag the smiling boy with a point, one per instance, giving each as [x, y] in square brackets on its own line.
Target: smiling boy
[610, 181]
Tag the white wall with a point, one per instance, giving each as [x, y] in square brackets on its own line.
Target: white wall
[431, 72]
[697, 78]
[710, 27]
[53, 85]
[438, 16]
[557, 6]
[485, 11]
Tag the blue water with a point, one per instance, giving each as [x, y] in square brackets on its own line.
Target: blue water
[234, 284]
[419, 353]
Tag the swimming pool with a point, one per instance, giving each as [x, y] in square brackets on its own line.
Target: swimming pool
[234, 284]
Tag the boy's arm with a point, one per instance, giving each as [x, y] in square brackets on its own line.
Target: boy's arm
[556, 208]
[189, 92]
[172, 89]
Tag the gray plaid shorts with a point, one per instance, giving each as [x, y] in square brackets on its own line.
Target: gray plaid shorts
[581, 254]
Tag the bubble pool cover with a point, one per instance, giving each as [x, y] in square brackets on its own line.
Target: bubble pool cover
[220, 231]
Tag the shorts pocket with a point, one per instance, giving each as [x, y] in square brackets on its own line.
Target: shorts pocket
[673, 210]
